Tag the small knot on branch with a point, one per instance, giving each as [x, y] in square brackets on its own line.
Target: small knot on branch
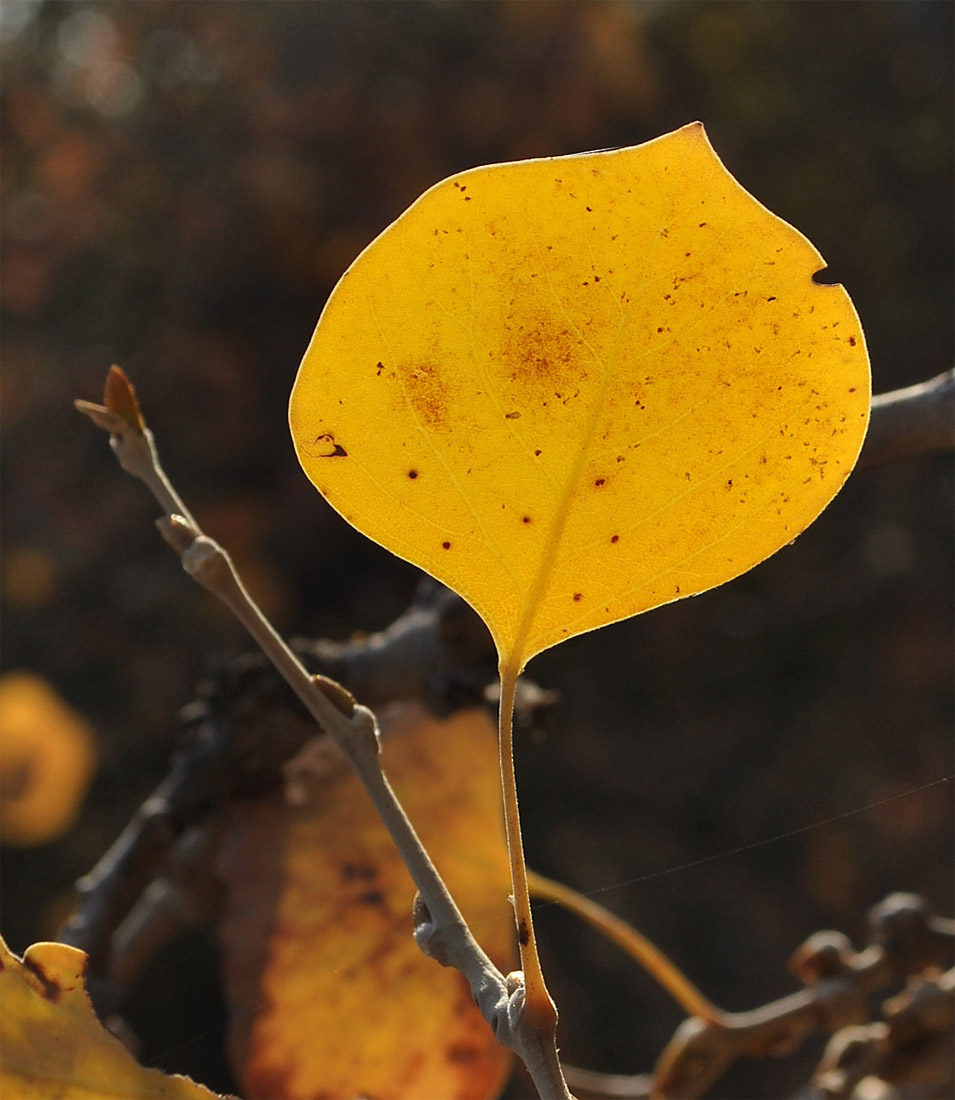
[177, 532]
[904, 926]
[205, 561]
[424, 928]
[515, 997]
[823, 955]
[340, 697]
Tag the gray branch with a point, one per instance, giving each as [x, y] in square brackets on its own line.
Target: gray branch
[440, 929]
[913, 421]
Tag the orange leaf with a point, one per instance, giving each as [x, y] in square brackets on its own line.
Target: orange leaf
[47, 756]
[329, 995]
[52, 1046]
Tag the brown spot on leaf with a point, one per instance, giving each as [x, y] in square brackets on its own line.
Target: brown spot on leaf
[577, 597]
[427, 393]
[460, 1053]
[540, 354]
[446, 545]
[52, 990]
[523, 936]
[614, 538]
[600, 481]
[412, 474]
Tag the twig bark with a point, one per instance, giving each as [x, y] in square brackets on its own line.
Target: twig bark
[905, 938]
[907, 944]
[241, 734]
[440, 930]
[913, 421]
[911, 1045]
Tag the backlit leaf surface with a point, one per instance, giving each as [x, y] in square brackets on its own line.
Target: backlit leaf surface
[328, 993]
[52, 1046]
[576, 388]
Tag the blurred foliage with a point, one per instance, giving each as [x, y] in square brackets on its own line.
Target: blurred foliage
[183, 182]
[324, 940]
[47, 755]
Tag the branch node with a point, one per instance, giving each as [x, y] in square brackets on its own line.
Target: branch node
[515, 997]
[206, 562]
[823, 955]
[135, 450]
[424, 929]
[177, 532]
[338, 695]
[361, 732]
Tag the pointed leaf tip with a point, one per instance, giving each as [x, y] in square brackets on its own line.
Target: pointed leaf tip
[119, 396]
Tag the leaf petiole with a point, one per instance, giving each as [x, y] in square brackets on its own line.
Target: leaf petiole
[539, 1011]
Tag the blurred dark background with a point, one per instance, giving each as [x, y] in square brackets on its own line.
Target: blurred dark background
[183, 183]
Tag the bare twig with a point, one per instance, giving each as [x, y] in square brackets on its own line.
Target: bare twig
[440, 930]
[907, 944]
[913, 421]
[905, 939]
[911, 1045]
[609, 1086]
[243, 731]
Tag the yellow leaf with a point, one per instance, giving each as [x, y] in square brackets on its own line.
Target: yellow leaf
[328, 994]
[47, 756]
[576, 388]
[52, 1046]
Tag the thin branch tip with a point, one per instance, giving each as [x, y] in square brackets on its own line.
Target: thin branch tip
[101, 416]
[119, 396]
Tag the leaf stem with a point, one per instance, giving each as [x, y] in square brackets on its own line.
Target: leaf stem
[539, 1012]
